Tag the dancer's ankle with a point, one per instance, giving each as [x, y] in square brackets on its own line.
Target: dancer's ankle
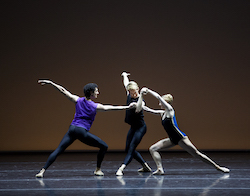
[41, 173]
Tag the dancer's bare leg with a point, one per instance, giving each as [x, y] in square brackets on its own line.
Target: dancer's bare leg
[162, 144]
[187, 145]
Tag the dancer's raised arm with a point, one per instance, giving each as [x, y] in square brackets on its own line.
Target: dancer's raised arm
[165, 104]
[70, 96]
[140, 102]
[141, 105]
[125, 80]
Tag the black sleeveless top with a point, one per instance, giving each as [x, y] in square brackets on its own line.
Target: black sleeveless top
[132, 118]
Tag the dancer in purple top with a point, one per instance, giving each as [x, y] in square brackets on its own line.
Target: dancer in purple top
[79, 129]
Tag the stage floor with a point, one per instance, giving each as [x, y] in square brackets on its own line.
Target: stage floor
[72, 174]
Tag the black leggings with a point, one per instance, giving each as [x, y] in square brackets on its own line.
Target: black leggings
[134, 137]
[85, 137]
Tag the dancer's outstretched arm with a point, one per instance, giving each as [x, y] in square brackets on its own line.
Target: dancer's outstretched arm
[101, 107]
[70, 96]
[158, 112]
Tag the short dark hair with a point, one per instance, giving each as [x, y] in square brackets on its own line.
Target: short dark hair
[89, 88]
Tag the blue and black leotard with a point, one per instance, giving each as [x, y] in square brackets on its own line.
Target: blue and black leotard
[172, 129]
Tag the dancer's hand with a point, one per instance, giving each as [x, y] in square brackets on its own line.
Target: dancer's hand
[144, 90]
[125, 74]
[132, 105]
[43, 82]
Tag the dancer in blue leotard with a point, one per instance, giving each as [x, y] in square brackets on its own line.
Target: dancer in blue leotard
[176, 137]
[79, 129]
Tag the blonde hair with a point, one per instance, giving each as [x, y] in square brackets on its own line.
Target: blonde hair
[168, 98]
[132, 86]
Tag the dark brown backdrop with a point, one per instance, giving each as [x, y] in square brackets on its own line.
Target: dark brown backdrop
[196, 50]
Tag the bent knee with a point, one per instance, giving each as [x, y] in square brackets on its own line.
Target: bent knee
[104, 147]
[153, 148]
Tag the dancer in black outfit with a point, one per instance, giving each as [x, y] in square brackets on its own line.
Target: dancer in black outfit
[137, 130]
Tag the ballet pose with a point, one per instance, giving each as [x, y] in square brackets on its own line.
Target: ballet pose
[137, 130]
[176, 137]
[85, 111]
